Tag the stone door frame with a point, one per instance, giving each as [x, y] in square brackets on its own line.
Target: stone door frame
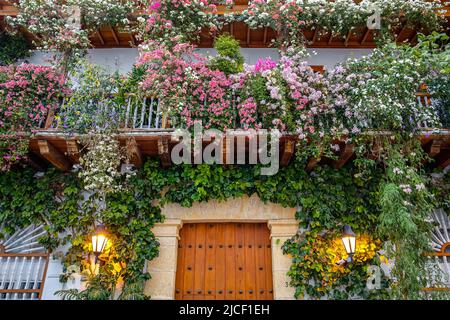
[281, 222]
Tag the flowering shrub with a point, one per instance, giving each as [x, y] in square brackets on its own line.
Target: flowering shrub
[379, 91]
[289, 95]
[286, 17]
[179, 19]
[436, 49]
[405, 205]
[27, 93]
[97, 13]
[439, 88]
[101, 165]
[188, 89]
[54, 23]
[291, 17]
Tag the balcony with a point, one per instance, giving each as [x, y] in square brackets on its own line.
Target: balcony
[360, 37]
[147, 132]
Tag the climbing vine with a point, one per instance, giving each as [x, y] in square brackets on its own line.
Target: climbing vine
[405, 204]
[326, 200]
[57, 200]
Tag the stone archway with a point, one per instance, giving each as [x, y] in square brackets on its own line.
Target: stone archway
[281, 222]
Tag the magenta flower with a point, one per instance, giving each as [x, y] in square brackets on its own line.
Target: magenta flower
[265, 64]
[155, 6]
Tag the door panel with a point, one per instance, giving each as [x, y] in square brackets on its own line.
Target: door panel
[229, 261]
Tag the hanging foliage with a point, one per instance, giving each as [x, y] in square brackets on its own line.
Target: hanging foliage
[406, 204]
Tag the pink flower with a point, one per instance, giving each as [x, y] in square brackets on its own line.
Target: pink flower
[265, 64]
[155, 6]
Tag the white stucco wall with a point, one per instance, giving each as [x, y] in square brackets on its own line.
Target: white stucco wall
[52, 283]
[122, 59]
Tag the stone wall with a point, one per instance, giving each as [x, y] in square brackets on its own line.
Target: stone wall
[281, 222]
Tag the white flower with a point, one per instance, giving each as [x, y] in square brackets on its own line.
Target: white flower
[420, 186]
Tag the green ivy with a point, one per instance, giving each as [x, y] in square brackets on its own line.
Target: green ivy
[365, 195]
[56, 200]
[13, 48]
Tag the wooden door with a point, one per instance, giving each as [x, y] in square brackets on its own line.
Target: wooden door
[224, 261]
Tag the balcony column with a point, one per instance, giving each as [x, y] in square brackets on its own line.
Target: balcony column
[280, 231]
[163, 268]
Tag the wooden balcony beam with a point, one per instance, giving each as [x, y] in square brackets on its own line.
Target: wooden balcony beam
[53, 155]
[61, 150]
[221, 10]
[289, 148]
[73, 150]
[163, 151]
[435, 148]
[99, 34]
[8, 9]
[114, 34]
[316, 33]
[366, 35]
[442, 160]
[8, 13]
[331, 38]
[397, 39]
[347, 38]
[134, 152]
[265, 36]
[312, 163]
[36, 161]
[346, 154]
[248, 35]
[444, 163]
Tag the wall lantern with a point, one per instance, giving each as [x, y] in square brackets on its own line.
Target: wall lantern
[99, 241]
[349, 242]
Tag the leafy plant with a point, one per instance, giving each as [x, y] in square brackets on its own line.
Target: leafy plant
[405, 206]
[13, 48]
[94, 105]
[229, 59]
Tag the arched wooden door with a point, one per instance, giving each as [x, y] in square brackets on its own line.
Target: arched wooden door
[224, 261]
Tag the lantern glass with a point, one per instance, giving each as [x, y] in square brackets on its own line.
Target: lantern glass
[99, 240]
[349, 240]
